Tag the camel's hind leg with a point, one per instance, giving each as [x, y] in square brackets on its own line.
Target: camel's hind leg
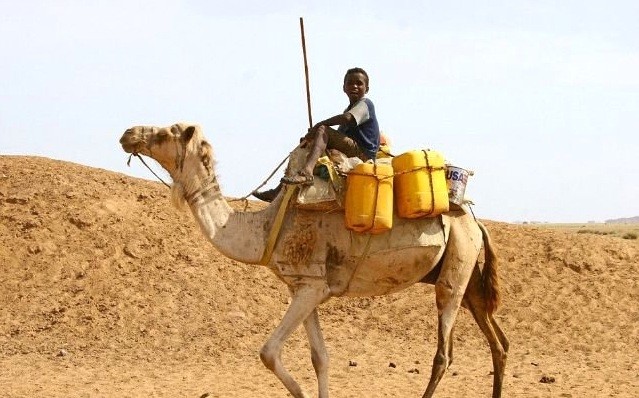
[475, 301]
[450, 286]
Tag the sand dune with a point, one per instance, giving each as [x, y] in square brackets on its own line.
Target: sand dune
[108, 291]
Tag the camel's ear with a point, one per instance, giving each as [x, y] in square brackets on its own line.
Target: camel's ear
[188, 133]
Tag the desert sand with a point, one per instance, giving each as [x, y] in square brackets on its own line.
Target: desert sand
[108, 291]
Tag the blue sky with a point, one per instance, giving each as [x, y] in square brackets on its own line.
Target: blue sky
[539, 98]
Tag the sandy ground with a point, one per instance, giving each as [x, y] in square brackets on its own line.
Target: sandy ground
[108, 291]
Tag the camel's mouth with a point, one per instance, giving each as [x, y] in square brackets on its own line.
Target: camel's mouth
[131, 141]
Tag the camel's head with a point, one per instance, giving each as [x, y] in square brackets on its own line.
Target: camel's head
[174, 147]
[180, 149]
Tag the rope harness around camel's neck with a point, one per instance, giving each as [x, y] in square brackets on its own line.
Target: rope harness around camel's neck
[210, 189]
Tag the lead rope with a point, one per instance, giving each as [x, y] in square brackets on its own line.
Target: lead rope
[243, 198]
[128, 163]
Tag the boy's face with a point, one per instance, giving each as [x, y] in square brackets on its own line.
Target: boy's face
[355, 86]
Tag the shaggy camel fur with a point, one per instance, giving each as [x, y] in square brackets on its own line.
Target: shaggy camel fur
[318, 258]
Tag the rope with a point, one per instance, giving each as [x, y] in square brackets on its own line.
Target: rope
[128, 163]
[245, 197]
[429, 168]
[471, 211]
[430, 184]
[360, 260]
[376, 198]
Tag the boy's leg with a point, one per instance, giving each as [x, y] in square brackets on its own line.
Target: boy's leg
[268, 195]
[324, 137]
[317, 149]
[344, 144]
[318, 146]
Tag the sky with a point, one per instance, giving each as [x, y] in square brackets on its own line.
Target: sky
[540, 99]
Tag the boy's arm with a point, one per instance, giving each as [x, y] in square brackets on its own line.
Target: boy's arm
[341, 119]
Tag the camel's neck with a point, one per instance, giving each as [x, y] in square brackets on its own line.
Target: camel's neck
[238, 235]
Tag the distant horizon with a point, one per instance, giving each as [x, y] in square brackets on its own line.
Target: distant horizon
[156, 168]
[631, 220]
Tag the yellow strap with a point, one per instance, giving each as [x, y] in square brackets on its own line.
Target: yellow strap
[277, 223]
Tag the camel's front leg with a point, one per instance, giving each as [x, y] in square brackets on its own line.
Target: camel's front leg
[319, 355]
[304, 301]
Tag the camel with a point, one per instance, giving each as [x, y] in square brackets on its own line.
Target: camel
[318, 258]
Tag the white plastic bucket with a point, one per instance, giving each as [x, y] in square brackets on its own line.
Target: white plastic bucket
[456, 180]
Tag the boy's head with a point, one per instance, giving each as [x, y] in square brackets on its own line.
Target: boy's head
[355, 84]
[356, 70]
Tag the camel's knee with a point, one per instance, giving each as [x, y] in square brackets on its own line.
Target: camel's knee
[444, 294]
[499, 356]
[269, 356]
[319, 360]
[450, 352]
[504, 343]
[500, 333]
[440, 361]
[503, 340]
[443, 288]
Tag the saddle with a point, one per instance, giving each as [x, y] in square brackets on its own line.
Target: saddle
[328, 191]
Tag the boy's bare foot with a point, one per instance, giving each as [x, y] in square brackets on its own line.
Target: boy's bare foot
[301, 178]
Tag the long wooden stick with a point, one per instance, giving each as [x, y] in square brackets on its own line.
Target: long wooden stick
[308, 92]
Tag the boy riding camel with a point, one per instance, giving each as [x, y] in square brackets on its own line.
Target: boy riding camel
[357, 135]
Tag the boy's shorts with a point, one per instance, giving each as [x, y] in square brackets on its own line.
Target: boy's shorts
[344, 144]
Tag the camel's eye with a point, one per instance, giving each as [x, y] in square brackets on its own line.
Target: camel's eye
[161, 137]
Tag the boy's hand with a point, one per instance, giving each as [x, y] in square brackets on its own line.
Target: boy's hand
[310, 135]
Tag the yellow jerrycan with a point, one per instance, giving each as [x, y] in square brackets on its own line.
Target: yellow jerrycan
[420, 184]
[369, 198]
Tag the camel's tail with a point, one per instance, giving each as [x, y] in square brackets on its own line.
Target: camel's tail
[490, 279]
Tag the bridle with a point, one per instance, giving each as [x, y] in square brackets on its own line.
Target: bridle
[209, 185]
[128, 163]
[191, 198]
[179, 157]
